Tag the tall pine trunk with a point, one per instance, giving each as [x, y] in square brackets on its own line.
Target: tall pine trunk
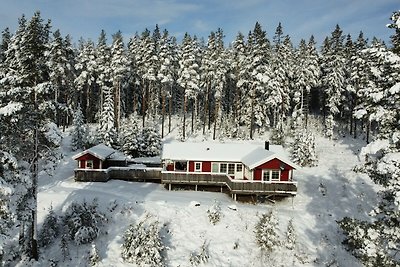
[184, 116]
[162, 113]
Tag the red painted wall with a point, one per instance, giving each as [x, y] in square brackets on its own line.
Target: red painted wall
[206, 167]
[191, 166]
[84, 158]
[274, 164]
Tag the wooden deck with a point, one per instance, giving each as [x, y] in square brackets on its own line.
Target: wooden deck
[239, 187]
[118, 173]
[234, 186]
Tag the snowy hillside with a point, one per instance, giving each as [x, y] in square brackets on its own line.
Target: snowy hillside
[326, 193]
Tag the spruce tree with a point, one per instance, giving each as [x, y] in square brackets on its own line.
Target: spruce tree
[79, 134]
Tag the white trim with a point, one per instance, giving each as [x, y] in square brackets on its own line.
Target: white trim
[200, 164]
[269, 171]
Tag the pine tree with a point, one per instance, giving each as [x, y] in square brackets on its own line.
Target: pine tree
[142, 244]
[291, 237]
[85, 82]
[79, 134]
[266, 231]
[333, 77]
[166, 74]
[119, 64]
[51, 229]
[376, 242]
[188, 77]
[107, 132]
[303, 149]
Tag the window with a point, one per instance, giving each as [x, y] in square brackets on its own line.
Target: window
[222, 168]
[180, 165]
[197, 166]
[239, 168]
[271, 175]
[89, 164]
[275, 175]
[231, 168]
[214, 167]
[265, 175]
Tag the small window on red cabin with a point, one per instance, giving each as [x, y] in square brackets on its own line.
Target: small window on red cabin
[222, 168]
[239, 167]
[89, 164]
[197, 166]
[275, 175]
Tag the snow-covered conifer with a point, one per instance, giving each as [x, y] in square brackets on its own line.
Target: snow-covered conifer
[214, 213]
[79, 134]
[202, 256]
[291, 237]
[94, 257]
[266, 232]
[84, 221]
[142, 244]
[303, 149]
[50, 229]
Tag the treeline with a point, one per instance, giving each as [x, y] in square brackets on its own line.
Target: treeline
[254, 83]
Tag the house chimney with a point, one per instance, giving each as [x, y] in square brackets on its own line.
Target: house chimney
[266, 146]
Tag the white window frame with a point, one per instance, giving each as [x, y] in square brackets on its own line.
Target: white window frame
[200, 166]
[234, 168]
[269, 175]
[86, 164]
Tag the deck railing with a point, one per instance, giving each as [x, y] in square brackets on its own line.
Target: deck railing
[235, 186]
[118, 173]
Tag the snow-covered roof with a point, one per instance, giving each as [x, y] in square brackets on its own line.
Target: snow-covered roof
[101, 151]
[252, 155]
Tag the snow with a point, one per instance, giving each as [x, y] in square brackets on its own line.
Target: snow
[231, 241]
[10, 108]
[249, 153]
[100, 151]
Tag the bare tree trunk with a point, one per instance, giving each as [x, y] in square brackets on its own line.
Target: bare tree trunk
[193, 112]
[117, 105]
[163, 114]
[144, 97]
[169, 110]
[184, 117]
[216, 115]
[205, 111]
[368, 130]
[251, 117]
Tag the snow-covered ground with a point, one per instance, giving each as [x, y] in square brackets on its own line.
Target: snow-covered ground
[325, 194]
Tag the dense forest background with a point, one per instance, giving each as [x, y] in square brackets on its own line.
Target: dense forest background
[253, 85]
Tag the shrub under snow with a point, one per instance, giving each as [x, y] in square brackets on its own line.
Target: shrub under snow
[266, 232]
[84, 221]
[142, 244]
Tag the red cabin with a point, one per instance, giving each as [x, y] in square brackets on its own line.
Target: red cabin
[239, 161]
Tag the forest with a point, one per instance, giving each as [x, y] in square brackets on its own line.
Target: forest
[238, 90]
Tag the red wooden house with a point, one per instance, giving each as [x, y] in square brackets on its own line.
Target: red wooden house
[239, 161]
[242, 168]
[99, 157]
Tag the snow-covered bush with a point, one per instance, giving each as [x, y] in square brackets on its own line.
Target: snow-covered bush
[303, 149]
[84, 221]
[94, 257]
[64, 248]
[142, 244]
[366, 242]
[214, 213]
[266, 232]
[290, 242]
[201, 256]
[50, 229]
